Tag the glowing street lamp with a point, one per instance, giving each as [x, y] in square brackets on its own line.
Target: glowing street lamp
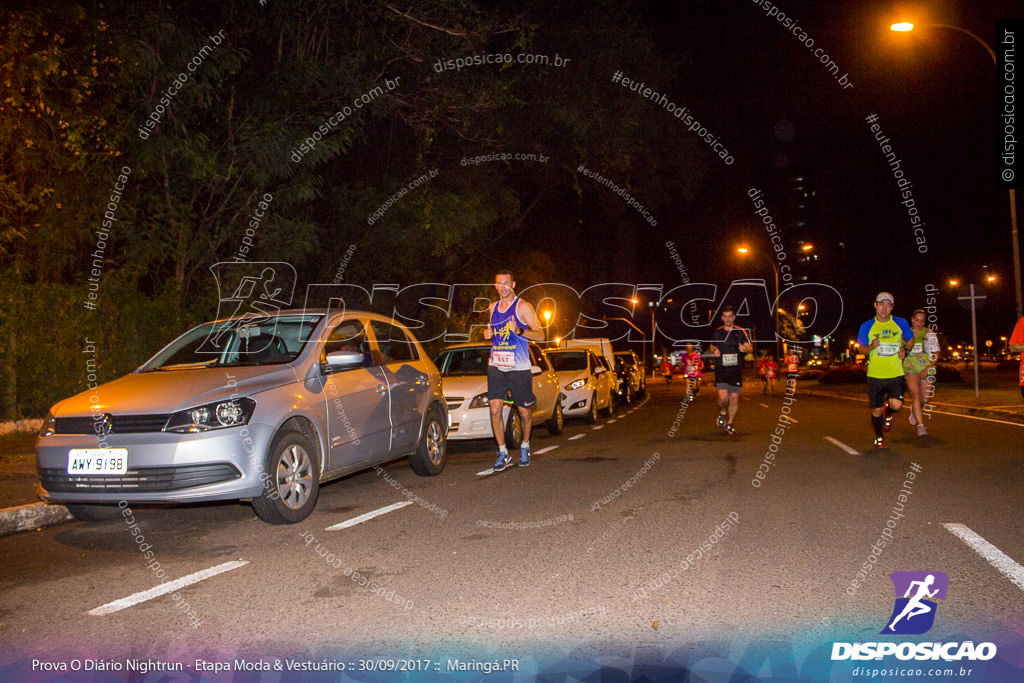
[904, 27]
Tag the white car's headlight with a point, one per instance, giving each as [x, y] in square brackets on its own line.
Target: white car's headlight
[231, 413]
[479, 401]
[578, 384]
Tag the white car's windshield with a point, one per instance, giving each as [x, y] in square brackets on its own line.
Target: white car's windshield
[468, 361]
[564, 361]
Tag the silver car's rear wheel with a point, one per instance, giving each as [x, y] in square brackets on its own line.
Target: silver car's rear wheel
[429, 458]
[291, 480]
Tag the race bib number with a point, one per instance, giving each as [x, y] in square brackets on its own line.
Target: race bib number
[730, 359]
[888, 349]
[918, 348]
[505, 360]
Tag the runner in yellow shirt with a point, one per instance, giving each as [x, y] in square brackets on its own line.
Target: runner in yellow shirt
[882, 338]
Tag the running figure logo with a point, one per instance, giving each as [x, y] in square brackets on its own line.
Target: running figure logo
[914, 612]
[257, 290]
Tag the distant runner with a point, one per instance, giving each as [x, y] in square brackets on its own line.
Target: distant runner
[1017, 346]
[692, 367]
[919, 365]
[729, 343]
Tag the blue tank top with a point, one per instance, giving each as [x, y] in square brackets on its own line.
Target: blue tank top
[509, 351]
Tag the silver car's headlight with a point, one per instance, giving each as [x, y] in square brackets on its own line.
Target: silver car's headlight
[578, 384]
[231, 413]
[479, 401]
[49, 427]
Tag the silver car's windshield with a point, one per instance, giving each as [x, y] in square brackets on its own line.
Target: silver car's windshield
[244, 341]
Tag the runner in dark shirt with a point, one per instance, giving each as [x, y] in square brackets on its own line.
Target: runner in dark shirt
[729, 343]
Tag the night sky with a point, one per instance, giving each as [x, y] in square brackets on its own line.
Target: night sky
[782, 114]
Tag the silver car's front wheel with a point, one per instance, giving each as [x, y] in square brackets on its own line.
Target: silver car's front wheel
[291, 480]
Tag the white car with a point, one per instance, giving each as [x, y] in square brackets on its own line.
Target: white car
[587, 383]
[464, 385]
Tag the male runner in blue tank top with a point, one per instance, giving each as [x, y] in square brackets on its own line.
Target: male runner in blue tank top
[513, 325]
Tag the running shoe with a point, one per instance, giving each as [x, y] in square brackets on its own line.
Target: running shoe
[888, 420]
[721, 420]
[729, 429]
[502, 462]
[921, 431]
[913, 420]
[879, 442]
[524, 456]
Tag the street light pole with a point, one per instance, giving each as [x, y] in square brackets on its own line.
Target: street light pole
[775, 304]
[906, 26]
[652, 305]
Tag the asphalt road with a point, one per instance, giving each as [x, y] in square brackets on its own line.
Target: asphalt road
[594, 551]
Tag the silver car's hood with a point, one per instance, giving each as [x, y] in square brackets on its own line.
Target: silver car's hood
[167, 391]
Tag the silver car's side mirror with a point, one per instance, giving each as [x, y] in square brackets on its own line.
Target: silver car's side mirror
[344, 360]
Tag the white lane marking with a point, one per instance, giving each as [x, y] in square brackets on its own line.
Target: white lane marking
[621, 416]
[975, 417]
[612, 420]
[995, 557]
[489, 470]
[763, 405]
[578, 436]
[164, 588]
[841, 445]
[369, 515]
[545, 450]
[598, 427]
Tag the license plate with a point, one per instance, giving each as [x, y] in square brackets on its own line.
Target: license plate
[97, 461]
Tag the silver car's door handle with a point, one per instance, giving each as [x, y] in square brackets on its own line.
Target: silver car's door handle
[381, 389]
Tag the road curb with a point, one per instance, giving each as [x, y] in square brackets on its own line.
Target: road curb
[971, 411]
[32, 516]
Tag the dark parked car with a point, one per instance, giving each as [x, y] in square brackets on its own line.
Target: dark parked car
[637, 376]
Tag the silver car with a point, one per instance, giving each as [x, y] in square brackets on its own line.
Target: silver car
[260, 407]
